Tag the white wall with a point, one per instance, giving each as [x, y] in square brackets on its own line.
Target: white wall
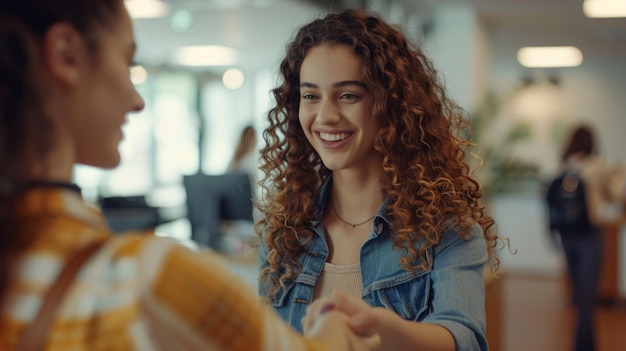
[459, 48]
[522, 220]
[592, 92]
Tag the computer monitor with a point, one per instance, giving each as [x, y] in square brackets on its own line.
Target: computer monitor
[214, 198]
[129, 213]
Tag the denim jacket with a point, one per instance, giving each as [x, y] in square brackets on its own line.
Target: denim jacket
[451, 293]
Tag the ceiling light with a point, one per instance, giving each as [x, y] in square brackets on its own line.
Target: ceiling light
[138, 74]
[146, 8]
[209, 55]
[181, 20]
[550, 56]
[604, 8]
[233, 79]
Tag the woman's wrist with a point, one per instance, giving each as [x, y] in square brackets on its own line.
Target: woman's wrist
[331, 329]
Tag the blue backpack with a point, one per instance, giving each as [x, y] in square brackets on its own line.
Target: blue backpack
[567, 204]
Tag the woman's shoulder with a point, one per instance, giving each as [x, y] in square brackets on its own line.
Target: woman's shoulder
[593, 169]
[457, 232]
[153, 260]
[142, 246]
[583, 163]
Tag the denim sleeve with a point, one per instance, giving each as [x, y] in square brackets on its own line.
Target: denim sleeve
[458, 288]
[262, 256]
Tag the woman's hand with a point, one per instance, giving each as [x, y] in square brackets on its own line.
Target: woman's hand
[363, 319]
[389, 330]
[331, 328]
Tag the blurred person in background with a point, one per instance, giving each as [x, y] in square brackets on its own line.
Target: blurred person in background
[603, 189]
[245, 158]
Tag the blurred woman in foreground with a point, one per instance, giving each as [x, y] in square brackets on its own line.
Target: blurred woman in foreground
[65, 92]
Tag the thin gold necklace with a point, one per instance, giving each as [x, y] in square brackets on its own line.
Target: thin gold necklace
[332, 205]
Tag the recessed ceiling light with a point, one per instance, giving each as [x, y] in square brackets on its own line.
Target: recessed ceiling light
[550, 56]
[146, 8]
[604, 8]
[205, 55]
[233, 78]
[138, 74]
[181, 20]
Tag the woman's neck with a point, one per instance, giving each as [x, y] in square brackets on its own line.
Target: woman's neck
[55, 166]
[355, 195]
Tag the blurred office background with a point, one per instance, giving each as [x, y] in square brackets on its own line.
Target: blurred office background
[205, 69]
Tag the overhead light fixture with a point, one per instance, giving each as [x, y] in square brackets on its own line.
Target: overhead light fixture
[206, 55]
[138, 74]
[146, 8]
[233, 78]
[181, 20]
[604, 8]
[550, 56]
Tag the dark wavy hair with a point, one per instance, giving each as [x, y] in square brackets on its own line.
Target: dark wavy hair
[25, 130]
[582, 141]
[425, 175]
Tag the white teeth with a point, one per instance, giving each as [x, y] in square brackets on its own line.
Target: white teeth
[334, 137]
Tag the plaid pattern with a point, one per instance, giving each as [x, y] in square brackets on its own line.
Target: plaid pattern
[139, 292]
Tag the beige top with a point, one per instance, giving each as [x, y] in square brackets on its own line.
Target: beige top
[339, 278]
[604, 185]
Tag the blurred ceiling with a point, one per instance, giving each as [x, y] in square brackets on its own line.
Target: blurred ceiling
[259, 29]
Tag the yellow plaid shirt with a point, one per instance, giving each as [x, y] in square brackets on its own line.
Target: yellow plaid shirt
[139, 292]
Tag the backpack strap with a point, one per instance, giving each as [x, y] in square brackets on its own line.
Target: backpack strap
[33, 338]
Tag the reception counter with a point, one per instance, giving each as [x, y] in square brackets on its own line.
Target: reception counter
[609, 285]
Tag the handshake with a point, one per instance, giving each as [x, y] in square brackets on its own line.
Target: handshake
[343, 322]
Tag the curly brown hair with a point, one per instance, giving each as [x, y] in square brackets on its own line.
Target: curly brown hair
[425, 175]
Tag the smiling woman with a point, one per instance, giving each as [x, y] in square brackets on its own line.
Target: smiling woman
[367, 200]
[332, 89]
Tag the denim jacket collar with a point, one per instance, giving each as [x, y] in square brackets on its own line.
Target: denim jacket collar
[449, 293]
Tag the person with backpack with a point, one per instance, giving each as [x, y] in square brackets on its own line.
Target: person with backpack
[589, 178]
